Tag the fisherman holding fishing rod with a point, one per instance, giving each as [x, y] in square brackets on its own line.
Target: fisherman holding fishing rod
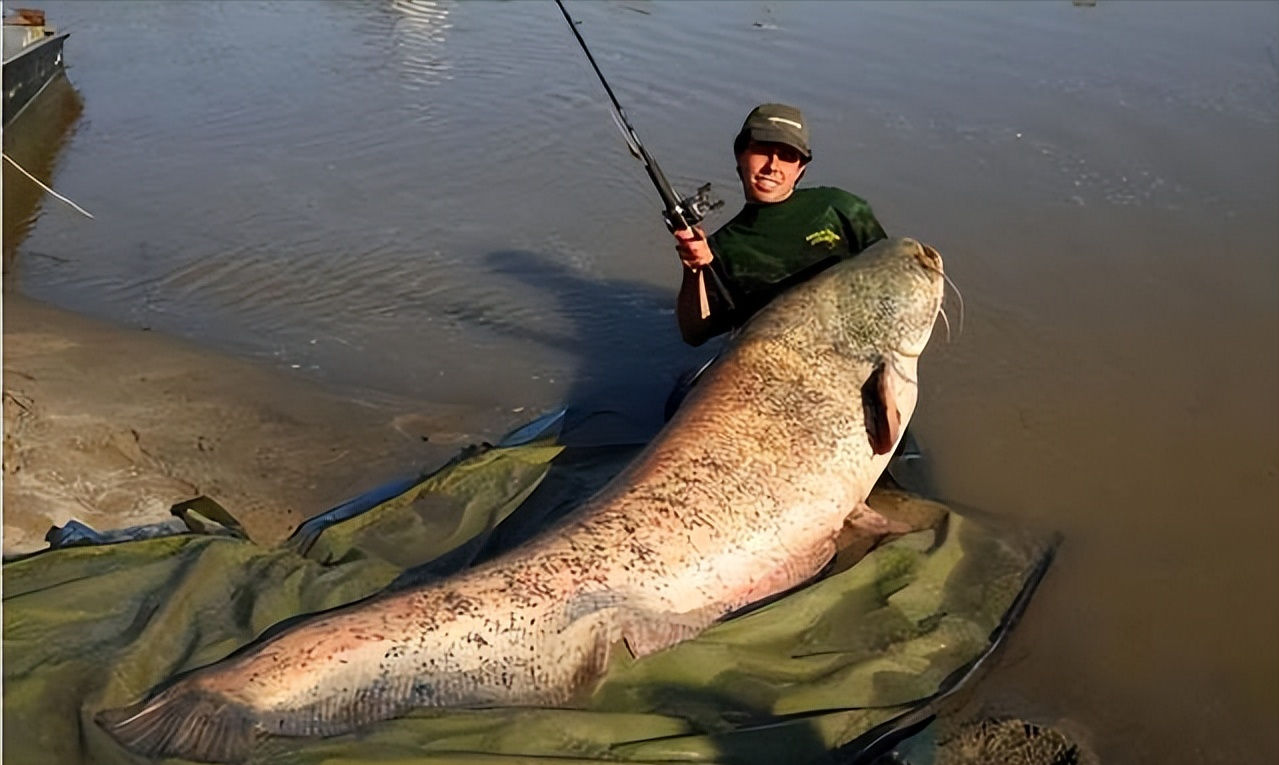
[782, 235]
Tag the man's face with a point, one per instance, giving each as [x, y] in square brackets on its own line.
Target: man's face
[769, 170]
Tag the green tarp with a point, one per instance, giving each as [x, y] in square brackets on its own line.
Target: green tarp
[95, 627]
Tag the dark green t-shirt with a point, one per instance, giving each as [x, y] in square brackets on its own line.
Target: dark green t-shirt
[766, 248]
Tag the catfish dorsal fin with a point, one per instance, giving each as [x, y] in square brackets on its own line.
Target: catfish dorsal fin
[879, 406]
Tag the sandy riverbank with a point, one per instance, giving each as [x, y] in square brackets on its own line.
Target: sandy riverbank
[111, 426]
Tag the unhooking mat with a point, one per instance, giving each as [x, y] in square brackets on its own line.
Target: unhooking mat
[824, 674]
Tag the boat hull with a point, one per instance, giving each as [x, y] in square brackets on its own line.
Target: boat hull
[28, 72]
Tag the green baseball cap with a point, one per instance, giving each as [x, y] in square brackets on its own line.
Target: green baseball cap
[775, 123]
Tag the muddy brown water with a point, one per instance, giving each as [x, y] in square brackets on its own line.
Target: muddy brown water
[429, 199]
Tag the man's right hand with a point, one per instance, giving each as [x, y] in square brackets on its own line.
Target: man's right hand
[694, 251]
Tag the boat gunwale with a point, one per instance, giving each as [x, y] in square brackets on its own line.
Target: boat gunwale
[60, 37]
[27, 49]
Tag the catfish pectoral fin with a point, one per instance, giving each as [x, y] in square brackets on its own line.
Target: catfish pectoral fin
[186, 722]
[865, 529]
[879, 407]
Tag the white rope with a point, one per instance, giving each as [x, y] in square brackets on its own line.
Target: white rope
[46, 188]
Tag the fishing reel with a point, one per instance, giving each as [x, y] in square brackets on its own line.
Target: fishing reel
[700, 204]
[692, 209]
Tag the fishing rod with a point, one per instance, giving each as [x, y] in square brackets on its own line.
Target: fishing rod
[680, 213]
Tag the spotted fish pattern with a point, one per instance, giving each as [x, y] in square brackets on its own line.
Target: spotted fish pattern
[741, 496]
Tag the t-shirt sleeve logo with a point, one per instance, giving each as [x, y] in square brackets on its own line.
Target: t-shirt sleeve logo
[825, 236]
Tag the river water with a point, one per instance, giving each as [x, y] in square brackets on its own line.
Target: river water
[430, 200]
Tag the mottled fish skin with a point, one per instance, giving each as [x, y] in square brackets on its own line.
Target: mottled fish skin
[740, 497]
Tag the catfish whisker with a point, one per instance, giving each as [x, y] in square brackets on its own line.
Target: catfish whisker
[892, 360]
[959, 295]
[945, 320]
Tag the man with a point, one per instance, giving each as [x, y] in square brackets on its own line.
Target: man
[782, 235]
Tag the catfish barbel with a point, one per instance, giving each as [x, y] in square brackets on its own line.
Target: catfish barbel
[741, 496]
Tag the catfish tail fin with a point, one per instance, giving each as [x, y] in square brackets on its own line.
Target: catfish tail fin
[184, 721]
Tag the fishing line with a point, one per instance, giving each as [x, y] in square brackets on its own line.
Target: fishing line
[680, 213]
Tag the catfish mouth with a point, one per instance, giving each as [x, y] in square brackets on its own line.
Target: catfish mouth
[916, 349]
[931, 261]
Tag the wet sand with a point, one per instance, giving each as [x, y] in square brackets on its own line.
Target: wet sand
[112, 426]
